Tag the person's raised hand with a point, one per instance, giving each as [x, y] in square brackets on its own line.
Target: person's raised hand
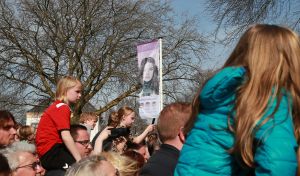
[105, 133]
[150, 128]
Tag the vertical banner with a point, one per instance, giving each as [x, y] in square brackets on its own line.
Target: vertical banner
[150, 97]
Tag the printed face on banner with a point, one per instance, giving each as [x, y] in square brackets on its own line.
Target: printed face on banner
[149, 76]
[148, 62]
[148, 72]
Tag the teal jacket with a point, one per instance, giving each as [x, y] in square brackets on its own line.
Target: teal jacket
[205, 151]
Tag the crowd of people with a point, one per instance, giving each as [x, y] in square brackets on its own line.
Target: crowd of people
[245, 120]
[58, 147]
[114, 151]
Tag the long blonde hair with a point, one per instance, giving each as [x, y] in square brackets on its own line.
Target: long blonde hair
[125, 165]
[271, 56]
[63, 85]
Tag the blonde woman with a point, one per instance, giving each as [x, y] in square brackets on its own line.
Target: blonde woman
[92, 166]
[125, 165]
[247, 116]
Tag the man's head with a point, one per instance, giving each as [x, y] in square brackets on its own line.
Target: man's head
[172, 121]
[7, 130]
[27, 164]
[82, 139]
[21, 160]
[141, 148]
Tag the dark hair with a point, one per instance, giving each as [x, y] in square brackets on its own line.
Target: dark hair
[118, 141]
[5, 116]
[4, 166]
[113, 119]
[74, 130]
[152, 143]
[116, 134]
[134, 146]
[154, 84]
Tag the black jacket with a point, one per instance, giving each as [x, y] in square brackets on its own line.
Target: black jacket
[162, 162]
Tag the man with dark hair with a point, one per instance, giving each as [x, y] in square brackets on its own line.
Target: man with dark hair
[81, 138]
[170, 127]
[82, 142]
[7, 130]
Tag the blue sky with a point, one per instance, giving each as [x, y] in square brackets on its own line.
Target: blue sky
[194, 7]
[217, 53]
[285, 14]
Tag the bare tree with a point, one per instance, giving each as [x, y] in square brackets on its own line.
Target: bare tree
[235, 16]
[194, 89]
[93, 40]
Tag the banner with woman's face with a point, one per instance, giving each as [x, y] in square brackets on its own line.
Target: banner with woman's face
[148, 64]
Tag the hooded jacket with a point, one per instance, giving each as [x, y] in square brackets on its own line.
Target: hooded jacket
[206, 150]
